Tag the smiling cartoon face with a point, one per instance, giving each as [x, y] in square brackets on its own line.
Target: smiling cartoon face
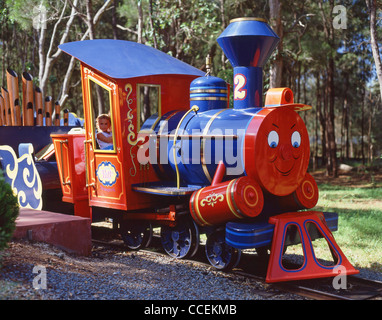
[277, 150]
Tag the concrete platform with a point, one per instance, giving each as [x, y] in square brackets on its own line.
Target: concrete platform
[67, 232]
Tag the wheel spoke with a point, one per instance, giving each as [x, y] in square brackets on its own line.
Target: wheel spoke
[136, 236]
[180, 241]
[219, 254]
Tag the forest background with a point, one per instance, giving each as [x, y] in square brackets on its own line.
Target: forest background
[329, 55]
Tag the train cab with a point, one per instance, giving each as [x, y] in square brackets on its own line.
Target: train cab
[124, 83]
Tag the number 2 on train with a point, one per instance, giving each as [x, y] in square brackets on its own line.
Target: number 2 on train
[240, 81]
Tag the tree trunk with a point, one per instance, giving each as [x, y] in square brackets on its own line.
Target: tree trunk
[350, 135]
[3, 51]
[345, 120]
[152, 24]
[331, 137]
[224, 25]
[114, 19]
[325, 145]
[89, 18]
[298, 81]
[140, 21]
[363, 126]
[332, 160]
[322, 118]
[317, 118]
[41, 55]
[276, 24]
[46, 62]
[369, 138]
[372, 6]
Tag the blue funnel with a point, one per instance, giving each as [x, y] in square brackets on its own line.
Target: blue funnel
[248, 43]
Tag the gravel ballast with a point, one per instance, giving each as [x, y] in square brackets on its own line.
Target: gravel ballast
[110, 275]
[117, 275]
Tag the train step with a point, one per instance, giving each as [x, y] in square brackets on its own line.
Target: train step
[303, 223]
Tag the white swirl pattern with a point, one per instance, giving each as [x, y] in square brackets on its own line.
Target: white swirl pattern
[22, 175]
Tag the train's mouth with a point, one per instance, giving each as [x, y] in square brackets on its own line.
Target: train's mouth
[285, 173]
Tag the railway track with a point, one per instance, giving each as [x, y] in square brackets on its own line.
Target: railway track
[322, 289]
[355, 287]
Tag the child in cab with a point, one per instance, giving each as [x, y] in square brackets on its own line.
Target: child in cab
[104, 135]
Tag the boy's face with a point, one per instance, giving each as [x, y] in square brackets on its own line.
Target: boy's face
[103, 124]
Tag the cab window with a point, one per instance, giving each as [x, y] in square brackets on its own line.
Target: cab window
[148, 102]
[100, 102]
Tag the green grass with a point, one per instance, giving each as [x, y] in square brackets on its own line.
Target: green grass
[359, 232]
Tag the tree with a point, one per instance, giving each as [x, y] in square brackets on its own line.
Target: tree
[9, 210]
[276, 23]
[372, 6]
[47, 61]
[39, 20]
[92, 22]
[327, 22]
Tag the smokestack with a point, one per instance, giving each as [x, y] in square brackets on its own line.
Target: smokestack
[248, 44]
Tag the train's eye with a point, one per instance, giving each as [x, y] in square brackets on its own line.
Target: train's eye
[296, 139]
[273, 139]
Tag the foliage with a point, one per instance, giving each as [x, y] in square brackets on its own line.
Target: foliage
[359, 228]
[9, 210]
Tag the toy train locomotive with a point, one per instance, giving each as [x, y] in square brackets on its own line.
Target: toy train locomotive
[181, 159]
